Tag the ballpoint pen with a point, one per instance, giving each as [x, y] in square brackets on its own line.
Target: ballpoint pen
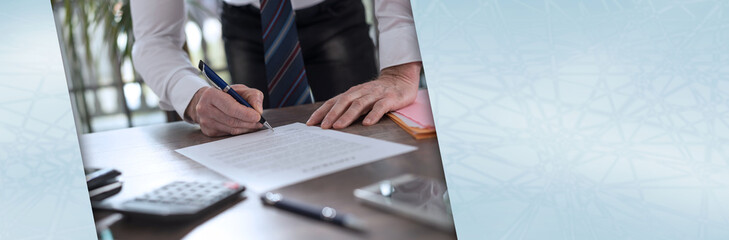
[213, 77]
[326, 214]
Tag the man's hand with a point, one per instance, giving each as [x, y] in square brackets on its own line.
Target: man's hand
[219, 114]
[396, 88]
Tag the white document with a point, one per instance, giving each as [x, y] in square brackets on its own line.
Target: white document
[267, 160]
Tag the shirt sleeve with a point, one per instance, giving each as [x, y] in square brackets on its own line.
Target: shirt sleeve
[157, 53]
[398, 43]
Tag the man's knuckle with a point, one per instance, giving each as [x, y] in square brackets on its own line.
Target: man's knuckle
[324, 106]
[381, 109]
[329, 118]
[231, 122]
[247, 116]
[389, 95]
[347, 97]
[203, 122]
[346, 115]
[359, 87]
[207, 93]
[357, 104]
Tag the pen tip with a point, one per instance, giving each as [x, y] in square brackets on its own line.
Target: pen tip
[268, 126]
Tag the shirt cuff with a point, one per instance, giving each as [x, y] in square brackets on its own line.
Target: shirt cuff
[182, 91]
[398, 46]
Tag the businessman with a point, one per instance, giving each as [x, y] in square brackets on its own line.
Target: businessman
[283, 53]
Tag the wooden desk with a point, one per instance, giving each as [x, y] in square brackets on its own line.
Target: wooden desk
[146, 158]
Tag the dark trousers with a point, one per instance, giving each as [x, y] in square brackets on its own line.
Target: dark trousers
[337, 50]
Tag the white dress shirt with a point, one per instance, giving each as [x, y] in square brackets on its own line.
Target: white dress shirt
[159, 36]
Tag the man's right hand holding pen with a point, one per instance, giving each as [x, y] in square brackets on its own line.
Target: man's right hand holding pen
[218, 114]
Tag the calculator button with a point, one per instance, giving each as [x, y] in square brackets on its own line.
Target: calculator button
[181, 198]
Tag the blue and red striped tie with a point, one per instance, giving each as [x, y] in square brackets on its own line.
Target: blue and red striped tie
[287, 82]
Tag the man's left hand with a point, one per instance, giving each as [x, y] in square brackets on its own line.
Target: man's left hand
[396, 88]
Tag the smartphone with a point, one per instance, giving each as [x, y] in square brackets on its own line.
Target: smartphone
[419, 198]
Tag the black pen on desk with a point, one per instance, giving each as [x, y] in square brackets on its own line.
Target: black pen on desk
[213, 77]
[326, 214]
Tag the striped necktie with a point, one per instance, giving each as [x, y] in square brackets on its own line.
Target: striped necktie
[285, 73]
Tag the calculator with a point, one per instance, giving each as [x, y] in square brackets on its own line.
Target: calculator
[178, 201]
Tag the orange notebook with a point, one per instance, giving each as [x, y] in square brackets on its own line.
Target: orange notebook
[417, 118]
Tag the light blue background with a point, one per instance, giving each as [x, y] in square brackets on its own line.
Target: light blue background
[581, 119]
[42, 186]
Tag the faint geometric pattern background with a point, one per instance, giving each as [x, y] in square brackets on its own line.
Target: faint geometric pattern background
[42, 188]
[581, 119]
